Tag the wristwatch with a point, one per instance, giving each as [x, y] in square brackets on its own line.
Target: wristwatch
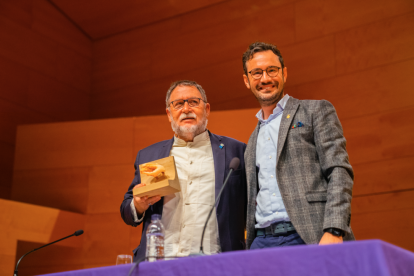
[335, 231]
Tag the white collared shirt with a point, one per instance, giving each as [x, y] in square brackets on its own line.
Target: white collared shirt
[270, 207]
[184, 213]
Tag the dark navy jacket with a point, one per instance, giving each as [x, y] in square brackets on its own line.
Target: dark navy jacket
[231, 209]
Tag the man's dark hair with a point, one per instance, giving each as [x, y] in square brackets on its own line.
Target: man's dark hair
[257, 47]
[184, 83]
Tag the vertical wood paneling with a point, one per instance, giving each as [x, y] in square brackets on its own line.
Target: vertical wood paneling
[316, 18]
[65, 189]
[45, 70]
[358, 55]
[377, 44]
[21, 221]
[6, 167]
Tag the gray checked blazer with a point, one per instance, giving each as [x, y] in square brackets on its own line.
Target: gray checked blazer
[313, 172]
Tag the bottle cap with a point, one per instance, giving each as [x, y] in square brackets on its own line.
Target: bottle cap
[156, 217]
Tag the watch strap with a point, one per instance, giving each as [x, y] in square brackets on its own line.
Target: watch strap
[335, 231]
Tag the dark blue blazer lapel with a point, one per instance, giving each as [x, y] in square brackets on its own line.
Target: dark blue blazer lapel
[162, 153]
[166, 149]
[219, 156]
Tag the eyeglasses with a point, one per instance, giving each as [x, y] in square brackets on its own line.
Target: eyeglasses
[271, 71]
[192, 102]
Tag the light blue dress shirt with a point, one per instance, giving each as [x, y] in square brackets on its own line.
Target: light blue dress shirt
[270, 207]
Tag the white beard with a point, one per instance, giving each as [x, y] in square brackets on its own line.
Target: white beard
[189, 132]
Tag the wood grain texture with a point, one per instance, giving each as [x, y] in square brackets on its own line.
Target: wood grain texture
[383, 176]
[51, 23]
[6, 169]
[106, 236]
[149, 130]
[390, 226]
[384, 216]
[375, 45]
[14, 80]
[12, 115]
[365, 92]
[114, 17]
[64, 189]
[310, 61]
[45, 70]
[187, 50]
[67, 259]
[55, 99]
[74, 144]
[316, 18]
[21, 221]
[380, 136]
[107, 186]
[358, 55]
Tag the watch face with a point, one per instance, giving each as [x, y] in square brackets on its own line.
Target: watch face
[337, 232]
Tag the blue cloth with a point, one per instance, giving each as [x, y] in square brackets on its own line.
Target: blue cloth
[231, 209]
[279, 241]
[270, 207]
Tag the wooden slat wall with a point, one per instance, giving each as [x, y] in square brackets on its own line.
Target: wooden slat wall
[30, 223]
[358, 55]
[45, 70]
[322, 41]
[83, 167]
[87, 166]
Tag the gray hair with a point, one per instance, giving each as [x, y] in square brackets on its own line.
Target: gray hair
[184, 83]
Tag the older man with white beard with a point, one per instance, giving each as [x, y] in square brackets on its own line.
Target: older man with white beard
[202, 160]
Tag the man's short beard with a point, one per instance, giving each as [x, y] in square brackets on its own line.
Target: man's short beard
[269, 101]
[189, 132]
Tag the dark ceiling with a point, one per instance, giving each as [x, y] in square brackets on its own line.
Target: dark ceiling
[102, 18]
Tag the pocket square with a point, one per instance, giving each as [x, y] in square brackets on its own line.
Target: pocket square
[298, 124]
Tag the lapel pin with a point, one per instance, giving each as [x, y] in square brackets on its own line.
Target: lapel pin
[221, 146]
[288, 116]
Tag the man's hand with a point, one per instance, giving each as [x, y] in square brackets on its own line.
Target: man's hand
[328, 238]
[142, 203]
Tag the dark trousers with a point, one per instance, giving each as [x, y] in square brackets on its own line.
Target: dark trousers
[279, 241]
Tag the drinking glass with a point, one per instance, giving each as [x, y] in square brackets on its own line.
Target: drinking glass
[123, 259]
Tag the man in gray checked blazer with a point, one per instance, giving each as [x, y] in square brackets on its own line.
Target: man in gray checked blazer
[298, 174]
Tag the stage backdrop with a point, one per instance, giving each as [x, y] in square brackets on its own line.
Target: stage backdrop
[63, 61]
[87, 166]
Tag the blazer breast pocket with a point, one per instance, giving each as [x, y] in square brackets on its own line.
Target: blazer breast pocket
[317, 196]
[303, 128]
[301, 133]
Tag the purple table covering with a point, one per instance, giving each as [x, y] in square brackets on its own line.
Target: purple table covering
[359, 258]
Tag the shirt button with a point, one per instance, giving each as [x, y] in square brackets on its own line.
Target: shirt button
[271, 176]
[277, 212]
[268, 138]
[191, 162]
[270, 157]
[274, 194]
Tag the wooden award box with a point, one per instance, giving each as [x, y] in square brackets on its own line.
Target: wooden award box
[161, 185]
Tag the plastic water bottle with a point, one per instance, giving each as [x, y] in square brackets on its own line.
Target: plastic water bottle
[155, 239]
